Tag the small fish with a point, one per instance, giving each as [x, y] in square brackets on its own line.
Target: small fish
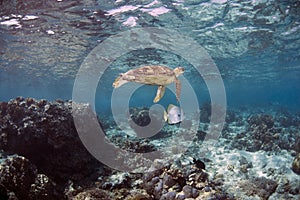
[173, 115]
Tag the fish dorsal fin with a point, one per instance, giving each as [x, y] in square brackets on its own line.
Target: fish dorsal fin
[170, 107]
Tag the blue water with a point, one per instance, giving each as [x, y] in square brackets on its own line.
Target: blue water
[254, 44]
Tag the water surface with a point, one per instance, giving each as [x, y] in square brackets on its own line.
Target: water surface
[255, 43]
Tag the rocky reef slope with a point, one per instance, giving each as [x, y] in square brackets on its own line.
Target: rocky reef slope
[42, 157]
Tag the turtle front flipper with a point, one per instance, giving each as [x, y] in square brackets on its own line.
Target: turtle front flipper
[178, 88]
[160, 93]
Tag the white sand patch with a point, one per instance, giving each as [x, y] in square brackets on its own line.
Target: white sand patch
[11, 22]
[219, 1]
[50, 32]
[156, 11]
[228, 163]
[30, 17]
[131, 21]
[122, 9]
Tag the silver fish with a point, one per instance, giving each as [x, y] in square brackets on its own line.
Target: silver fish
[173, 115]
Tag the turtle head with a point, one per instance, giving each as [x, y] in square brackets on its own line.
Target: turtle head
[119, 81]
[178, 71]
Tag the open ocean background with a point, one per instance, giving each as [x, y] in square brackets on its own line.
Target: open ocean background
[255, 44]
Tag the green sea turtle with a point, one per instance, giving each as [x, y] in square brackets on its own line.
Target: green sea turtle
[153, 75]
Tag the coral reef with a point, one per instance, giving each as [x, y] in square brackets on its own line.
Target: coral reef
[19, 179]
[140, 116]
[264, 121]
[252, 159]
[132, 144]
[296, 164]
[287, 119]
[262, 133]
[182, 183]
[92, 194]
[44, 133]
[259, 186]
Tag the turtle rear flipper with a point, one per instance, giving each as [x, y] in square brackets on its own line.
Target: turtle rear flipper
[160, 93]
[178, 88]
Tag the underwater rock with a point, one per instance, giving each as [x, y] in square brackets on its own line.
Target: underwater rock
[287, 119]
[263, 133]
[244, 164]
[263, 121]
[93, 194]
[117, 181]
[230, 117]
[295, 188]
[140, 116]
[168, 196]
[297, 145]
[159, 182]
[133, 144]
[44, 133]
[201, 135]
[199, 163]
[43, 188]
[287, 190]
[259, 186]
[138, 195]
[16, 175]
[296, 164]
[20, 177]
[188, 191]
[168, 181]
[175, 183]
